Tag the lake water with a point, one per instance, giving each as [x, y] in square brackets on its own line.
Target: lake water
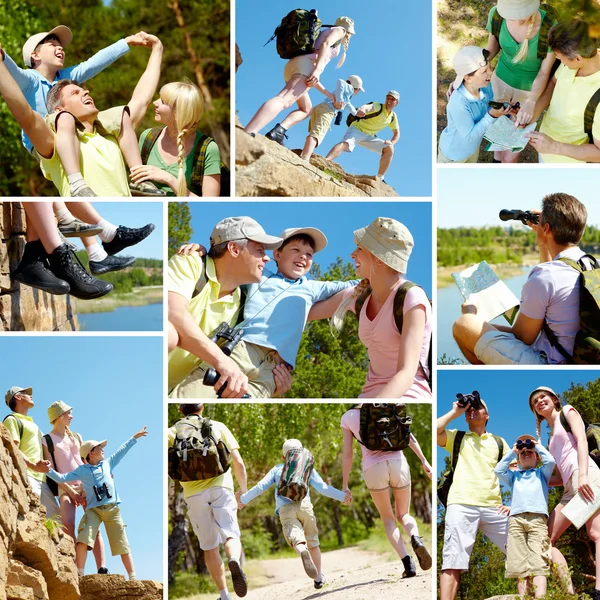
[449, 300]
[125, 318]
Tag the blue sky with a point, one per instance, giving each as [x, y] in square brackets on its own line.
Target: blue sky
[337, 220]
[114, 385]
[391, 50]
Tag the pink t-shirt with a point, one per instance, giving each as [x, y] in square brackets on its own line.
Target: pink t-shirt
[351, 422]
[563, 448]
[332, 52]
[66, 453]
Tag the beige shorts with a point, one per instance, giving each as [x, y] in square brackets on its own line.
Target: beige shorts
[528, 546]
[387, 474]
[299, 524]
[321, 118]
[299, 65]
[108, 122]
[505, 93]
[571, 487]
[110, 515]
[445, 160]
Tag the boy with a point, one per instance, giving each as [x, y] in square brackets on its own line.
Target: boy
[528, 546]
[323, 114]
[298, 520]
[102, 501]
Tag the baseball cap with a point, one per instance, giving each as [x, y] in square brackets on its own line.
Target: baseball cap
[388, 240]
[394, 94]
[317, 236]
[292, 444]
[239, 228]
[62, 32]
[356, 82]
[467, 60]
[89, 445]
[14, 390]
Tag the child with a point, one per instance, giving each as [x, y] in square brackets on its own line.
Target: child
[468, 112]
[102, 501]
[528, 546]
[298, 521]
[323, 114]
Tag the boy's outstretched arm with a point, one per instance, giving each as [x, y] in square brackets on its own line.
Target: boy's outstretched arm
[115, 459]
[317, 482]
[262, 486]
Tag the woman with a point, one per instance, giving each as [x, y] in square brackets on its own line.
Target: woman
[61, 448]
[578, 473]
[172, 153]
[300, 74]
[382, 471]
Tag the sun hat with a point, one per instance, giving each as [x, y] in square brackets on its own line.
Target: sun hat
[292, 444]
[57, 409]
[356, 82]
[62, 32]
[394, 94]
[317, 236]
[517, 9]
[14, 390]
[467, 60]
[89, 445]
[388, 240]
[239, 228]
[347, 23]
[541, 388]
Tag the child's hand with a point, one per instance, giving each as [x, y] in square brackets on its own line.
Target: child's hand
[282, 376]
[499, 112]
[188, 249]
[141, 433]
[503, 510]
[138, 39]
[427, 469]
[141, 173]
[239, 502]
[338, 105]
[41, 466]
[152, 40]
[348, 497]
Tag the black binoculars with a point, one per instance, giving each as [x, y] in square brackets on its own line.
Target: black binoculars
[473, 399]
[496, 105]
[101, 492]
[338, 118]
[529, 444]
[524, 216]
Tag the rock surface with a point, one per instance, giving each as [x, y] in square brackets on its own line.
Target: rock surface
[23, 308]
[116, 587]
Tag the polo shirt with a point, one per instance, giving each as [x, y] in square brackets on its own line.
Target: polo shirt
[376, 124]
[30, 443]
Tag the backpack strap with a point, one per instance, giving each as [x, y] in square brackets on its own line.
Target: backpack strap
[198, 162]
[50, 445]
[456, 448]
[361, 300]
[545, 27]
[19, 425]
[500, 446]
[589, 114]
[149, 142]
[563, 420]
[496, 24]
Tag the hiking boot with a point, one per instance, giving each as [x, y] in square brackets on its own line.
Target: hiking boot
[84, 192]
[308, 564]
[277, 134]
[595, 595]
[125, 237]
[34, 271]
[240, 584]
[77, 228]
[65, 264]
[102, 571]
[422, 555]
[111, 263]
[145, 188]
[410, 569]
[319, 584]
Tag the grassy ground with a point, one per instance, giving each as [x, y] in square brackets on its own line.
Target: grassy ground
[138, 297]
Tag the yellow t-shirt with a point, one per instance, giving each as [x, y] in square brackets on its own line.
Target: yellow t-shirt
[564, 118]
[376, 124]
[30, 443]
[475, 483]
[226, 480]
[207, 309]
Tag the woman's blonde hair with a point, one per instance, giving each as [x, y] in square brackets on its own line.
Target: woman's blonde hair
[185, 99]
[337, 319]
[344, 42]
[524, 49]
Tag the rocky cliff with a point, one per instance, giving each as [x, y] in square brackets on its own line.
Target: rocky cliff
[23, 308]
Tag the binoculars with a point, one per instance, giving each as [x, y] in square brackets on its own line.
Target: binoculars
[524, 216]
[528, 444]
[101, 492]
[496, 105]
[338, 118]
[473, 399]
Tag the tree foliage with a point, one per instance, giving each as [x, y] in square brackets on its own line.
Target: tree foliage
[180, 229]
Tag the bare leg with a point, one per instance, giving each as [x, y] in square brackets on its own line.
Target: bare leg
[449, 580]
[522, 586]
[337, 150]
[67, 143]
[84, 211]
[41, 217]
[506, 156]
[233, 548]
[128, 563]
[384, 507]
[557, 525]
[315, 554]
[309, 147]
[386, 160]
[593, 529]
[467, 330]
[301, 113]
[67, 515]
[81, 551]
[402, 498]
[128, 142]
[215, 567]
[539, 586]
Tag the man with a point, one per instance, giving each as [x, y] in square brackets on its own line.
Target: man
[212, 509]
[373, 118]
[27, 436]
[236, 256]
[545, 329]
[570, 131]
[474, 495]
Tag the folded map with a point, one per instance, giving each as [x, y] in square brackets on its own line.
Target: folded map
[578, 511]
[503, 135]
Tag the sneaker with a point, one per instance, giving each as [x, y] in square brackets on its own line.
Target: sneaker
[308, 564]
[125, 237]
[66, 265]
[319, 584]
[145, 188]
[102, 571]
[277, 134]
[423, 556]
[410, 569]
[240, 583]
[84, 192]
[132, 577]
[64, 240]
[77, 228]
[34, 271]
[110, 263]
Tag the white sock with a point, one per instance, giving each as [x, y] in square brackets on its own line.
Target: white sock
[63, 216]
[132, 576]
[81, 572]
[96, 252]
[224, 595]
[108, 230]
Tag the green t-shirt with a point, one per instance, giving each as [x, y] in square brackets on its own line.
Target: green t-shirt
[523, 74]
[212, 162]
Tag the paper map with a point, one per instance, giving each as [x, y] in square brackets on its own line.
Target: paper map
[578, 511]
[503, 135]
[480, 286]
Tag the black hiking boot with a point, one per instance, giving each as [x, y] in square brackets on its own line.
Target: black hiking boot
[110, 263]
[34, 271]
[277, 134]
[102, 571]
[422, 555]
[240, 584]
[125, 237]
[65, 264]
[410, 569]
[595, 595]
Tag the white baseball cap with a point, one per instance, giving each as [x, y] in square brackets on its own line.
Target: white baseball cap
[240, 228]
[292, 444]
[356, 82]
[317, 236]
[467, 60]
[62, 32]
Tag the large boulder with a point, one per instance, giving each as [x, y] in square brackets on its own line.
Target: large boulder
[116, 587]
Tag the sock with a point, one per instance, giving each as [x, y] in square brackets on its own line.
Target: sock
[76, 183]
[63, 215]
[224, 595]
[132, 576]
[81, 572]
[96, 253]
[108, 230]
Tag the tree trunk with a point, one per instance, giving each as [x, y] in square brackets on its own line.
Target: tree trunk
[421, 502]
[177, 539]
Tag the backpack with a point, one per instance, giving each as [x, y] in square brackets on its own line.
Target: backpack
[295, 476]
[592, 433]
[447, 477]
[586, 350]
[545, 26]
[351, 118]
[589, 114]
[19, 424]
[50, 445]
[384, 427]
[196, 452]
[198, 162]
[399, 319]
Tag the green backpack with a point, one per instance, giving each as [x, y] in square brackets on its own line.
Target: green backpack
[384, 427]
[351, 118]
[295, 476]
[592, 433]
[589, 114]
[19, 424]
[196, 452]
[587, 341]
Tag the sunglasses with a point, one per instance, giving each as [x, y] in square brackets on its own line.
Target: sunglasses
[525, 444]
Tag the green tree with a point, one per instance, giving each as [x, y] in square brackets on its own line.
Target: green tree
[180, 229]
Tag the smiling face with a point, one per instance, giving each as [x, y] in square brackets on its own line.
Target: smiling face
[78, 102]
[480, 78]
[528, 459]
[49, 53]
[163, 113]
[65, 418]
[364, 262]
[390, 103]
[473, 415]
[543, 403]
[254, 260]
[294, 259]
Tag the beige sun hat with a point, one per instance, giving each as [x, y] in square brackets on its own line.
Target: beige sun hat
[317, 236]
[467, 60]
[89, 445]
[62, 32]
[517, 9]
[239, 228]
[356, 82]
[57, 409]
[14, 390]
[388, 240]
[347, 23]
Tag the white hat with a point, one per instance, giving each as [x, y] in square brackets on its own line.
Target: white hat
[394, 94]
[63, 34]
[291, 445]
[240, 228]
[517, 9]
[317, 236]
[356, 82]
[88, 446]
[467, 60]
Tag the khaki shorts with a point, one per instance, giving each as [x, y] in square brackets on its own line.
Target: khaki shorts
[570, 490]
[355, 136]
[108, 122]
[387, 474]
[257, 362]
[442, 159]
[299, 65]
[505, 93]
[528, 546]
[299, 524]
[321, 118]
[110, 515]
